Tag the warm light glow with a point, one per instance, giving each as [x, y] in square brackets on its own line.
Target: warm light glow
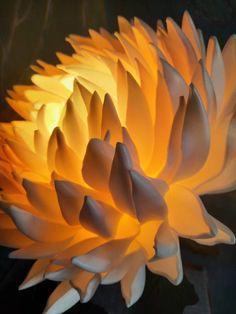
[118, 142]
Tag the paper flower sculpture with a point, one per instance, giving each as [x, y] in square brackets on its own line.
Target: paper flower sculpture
[119, 140]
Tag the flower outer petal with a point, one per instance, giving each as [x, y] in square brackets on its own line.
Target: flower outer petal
[185, 207]
[169, 267]
[36, 274]
[86, 283]
[224, 235]
[62, 298]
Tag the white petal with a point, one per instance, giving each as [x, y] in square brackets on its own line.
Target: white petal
[149, 203]
[187, 214]
[97, 164]
[132, 285]
[38, 228]
[166, 242]
[87, 284]
[224, 235]
[99, 217]
[62, 298]
[36, 274]
[120, 182]
[170, 267]
[70, 197]
[103, 257]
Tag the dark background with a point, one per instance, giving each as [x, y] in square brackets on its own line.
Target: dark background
[31, 30]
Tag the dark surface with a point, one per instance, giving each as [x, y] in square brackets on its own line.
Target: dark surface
[31, 30]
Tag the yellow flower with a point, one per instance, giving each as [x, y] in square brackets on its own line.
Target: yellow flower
[119, 140]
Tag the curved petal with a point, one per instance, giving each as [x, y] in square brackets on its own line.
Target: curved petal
[86, 283]
[37, 228]
[215, 67]
[99, 217]
[139, 122]
[36, 274]
[70, 198]
[195, 137]
[166, 242]
[103, 257]
[223, 235]
[62, 298]
[132, 284]
[42, 197]
[120, 182]
[184, 208]
[97, 164]
[39, 250]
[169, 267]
[149, 203]
[110, 120]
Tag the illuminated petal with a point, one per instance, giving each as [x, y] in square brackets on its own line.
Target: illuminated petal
[170, 267]
[132, 285]
[99, 217]
[103, 257]
[65, 156]
[43, 198]
[86, 283]
[110, 120]
[40, 250]
[190, 31]
[62, 298]
[38, 228]
[215, 67]
[166, 242]
[75, 128]
[184, 207]
[229, 59]
[35, 275]
[195, 136]
[223, 235]
[181, 50]
[13, 238]
[70, 197]
[97, 164]
[120, 182]
[149, 203]
[139, 122]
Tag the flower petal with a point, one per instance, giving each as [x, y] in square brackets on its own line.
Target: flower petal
[170, 267]
[42, 197]
[139, 121]
[215, 67]
[224, 235]
[166, 242]
[70, 198]
[62, 298]
[149, 203]
[120, 182]
[97, 164]
[103, 257]
[110, 120]
[132, 284]
[195, 136]
[37, 228]
[86, 283]
[36, 274]
[99, 217]
[184, 208]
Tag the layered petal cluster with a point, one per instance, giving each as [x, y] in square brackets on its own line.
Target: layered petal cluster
[118, 142]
